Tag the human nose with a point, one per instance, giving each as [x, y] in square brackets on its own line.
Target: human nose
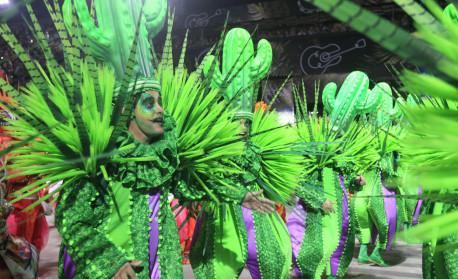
[159, 109]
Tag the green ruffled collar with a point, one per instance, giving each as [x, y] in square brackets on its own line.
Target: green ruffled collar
[147, 174]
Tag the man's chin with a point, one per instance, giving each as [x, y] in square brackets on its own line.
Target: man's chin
[157, 134]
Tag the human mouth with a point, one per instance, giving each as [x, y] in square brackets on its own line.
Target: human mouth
[158, 120]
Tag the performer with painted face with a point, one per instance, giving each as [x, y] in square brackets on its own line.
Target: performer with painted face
[104, 131]
[228, 237]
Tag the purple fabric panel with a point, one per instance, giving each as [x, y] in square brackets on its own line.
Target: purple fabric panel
[252, 260]
[296, 226]
[416, 213]
[337, 255]
[374, 234]
[390, 211]
[154, 202]
[69, 265]
[197, 228]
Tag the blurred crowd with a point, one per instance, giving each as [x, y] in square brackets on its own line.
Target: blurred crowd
[11, 65]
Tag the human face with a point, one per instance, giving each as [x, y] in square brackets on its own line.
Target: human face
[244, 129]
[149, 114]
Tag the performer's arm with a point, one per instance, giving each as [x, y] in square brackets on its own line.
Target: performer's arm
[312, 196]
[225, 191]
[79, 215]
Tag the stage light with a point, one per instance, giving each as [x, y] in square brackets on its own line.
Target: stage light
[3, 2]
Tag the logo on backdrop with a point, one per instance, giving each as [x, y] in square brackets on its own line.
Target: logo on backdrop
[200, 20]
[317, 60]
[306, 10]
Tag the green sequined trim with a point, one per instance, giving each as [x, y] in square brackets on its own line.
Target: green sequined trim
[377, 207]
[250, 162]
[202, 253]
[139, 227]
[310, 256]
[168, 250]
[349, 246]
[79, 219]
[270, 258]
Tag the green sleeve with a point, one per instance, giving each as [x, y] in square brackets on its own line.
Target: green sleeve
[79, 219]
[346, 169]
[309, 190]
[189, 191]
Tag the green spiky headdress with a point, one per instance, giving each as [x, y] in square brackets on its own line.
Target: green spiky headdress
[238, 58]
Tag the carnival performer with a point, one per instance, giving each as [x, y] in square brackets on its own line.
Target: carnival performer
[119, 161]
[228, 237]
[330, 172]
[377, 211]
[32, 224]
[18, 257]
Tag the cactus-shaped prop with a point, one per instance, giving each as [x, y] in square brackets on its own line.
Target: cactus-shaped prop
[111, 41]
[238, 49]
[354, 98]
[387, 112]
[451, 13]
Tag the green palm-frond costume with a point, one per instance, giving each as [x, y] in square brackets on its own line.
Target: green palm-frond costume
[344, 149]
[229, 236]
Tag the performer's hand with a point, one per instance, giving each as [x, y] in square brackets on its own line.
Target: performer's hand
[254, 201]
[327, 206]
[126, 271]
[361, 180]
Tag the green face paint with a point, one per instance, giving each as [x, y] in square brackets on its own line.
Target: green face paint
[148, 104]
[149, 114]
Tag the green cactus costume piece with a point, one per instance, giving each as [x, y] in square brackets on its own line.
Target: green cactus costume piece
[238, 56]
[353, 99]
[260, 242]
[111, 41]
[373, 212]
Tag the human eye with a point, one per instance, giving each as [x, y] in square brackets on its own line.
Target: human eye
[148, 102]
